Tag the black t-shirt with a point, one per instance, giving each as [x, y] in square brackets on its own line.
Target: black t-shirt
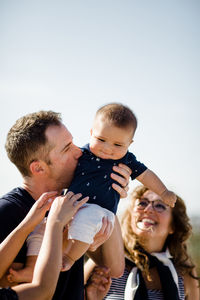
[8, 294]
[14, 206]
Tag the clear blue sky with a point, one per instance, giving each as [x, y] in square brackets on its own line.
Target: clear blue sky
[74, 56]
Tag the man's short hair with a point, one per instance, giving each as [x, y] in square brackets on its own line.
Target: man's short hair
[26, 140]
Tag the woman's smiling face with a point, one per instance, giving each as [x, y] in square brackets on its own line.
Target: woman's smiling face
[151, 221]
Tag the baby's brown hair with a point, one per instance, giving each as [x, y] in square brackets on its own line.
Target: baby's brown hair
[119, 115]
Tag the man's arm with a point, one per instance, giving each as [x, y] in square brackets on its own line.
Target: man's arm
[98, 281]
[111, 253]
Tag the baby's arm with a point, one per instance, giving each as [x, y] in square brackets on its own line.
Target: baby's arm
[149, 179]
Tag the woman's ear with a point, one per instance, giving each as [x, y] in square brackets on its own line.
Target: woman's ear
[171, 229]
[36, 167]
[91, 131]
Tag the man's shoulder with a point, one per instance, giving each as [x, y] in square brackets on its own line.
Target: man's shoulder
[18, 197]
[14, 206]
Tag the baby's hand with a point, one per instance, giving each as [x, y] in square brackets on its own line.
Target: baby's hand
[169, 198]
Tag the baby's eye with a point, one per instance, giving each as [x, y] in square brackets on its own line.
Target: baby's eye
[102, 140]
[117, 145]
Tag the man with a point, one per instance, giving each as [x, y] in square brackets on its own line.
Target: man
[42, 149]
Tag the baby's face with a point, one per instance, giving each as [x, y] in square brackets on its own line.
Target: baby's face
[108, 141]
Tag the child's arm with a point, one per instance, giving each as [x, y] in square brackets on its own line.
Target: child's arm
[149, 179]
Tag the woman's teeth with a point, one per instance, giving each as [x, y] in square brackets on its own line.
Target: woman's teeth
[145, 223]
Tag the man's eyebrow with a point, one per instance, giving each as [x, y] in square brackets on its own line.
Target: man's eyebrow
[66, 147]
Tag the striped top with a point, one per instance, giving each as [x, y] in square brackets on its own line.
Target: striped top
[117, 289]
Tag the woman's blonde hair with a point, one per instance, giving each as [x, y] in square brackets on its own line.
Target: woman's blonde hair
[175, 242]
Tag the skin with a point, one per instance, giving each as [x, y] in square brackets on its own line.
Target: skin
[150, 226]
[98, 284]
[63, 158]
[114, 242]
[108, 141]
[192, 291]
[58, 174]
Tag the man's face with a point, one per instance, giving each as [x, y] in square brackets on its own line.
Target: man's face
[63, 157]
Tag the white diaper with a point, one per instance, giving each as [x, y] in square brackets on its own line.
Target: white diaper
[87, 222]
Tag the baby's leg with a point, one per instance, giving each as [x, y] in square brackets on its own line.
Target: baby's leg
[25, 274]
[74, 250]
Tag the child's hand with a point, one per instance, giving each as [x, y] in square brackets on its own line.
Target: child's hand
[169, 198]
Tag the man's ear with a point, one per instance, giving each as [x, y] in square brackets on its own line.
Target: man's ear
[36, 167]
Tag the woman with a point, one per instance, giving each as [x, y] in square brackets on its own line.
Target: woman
[157, 262]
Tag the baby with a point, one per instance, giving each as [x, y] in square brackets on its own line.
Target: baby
[111, 134]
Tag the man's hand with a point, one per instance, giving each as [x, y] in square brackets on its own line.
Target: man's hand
[122, 179]
[103, 234]
[98, 283]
